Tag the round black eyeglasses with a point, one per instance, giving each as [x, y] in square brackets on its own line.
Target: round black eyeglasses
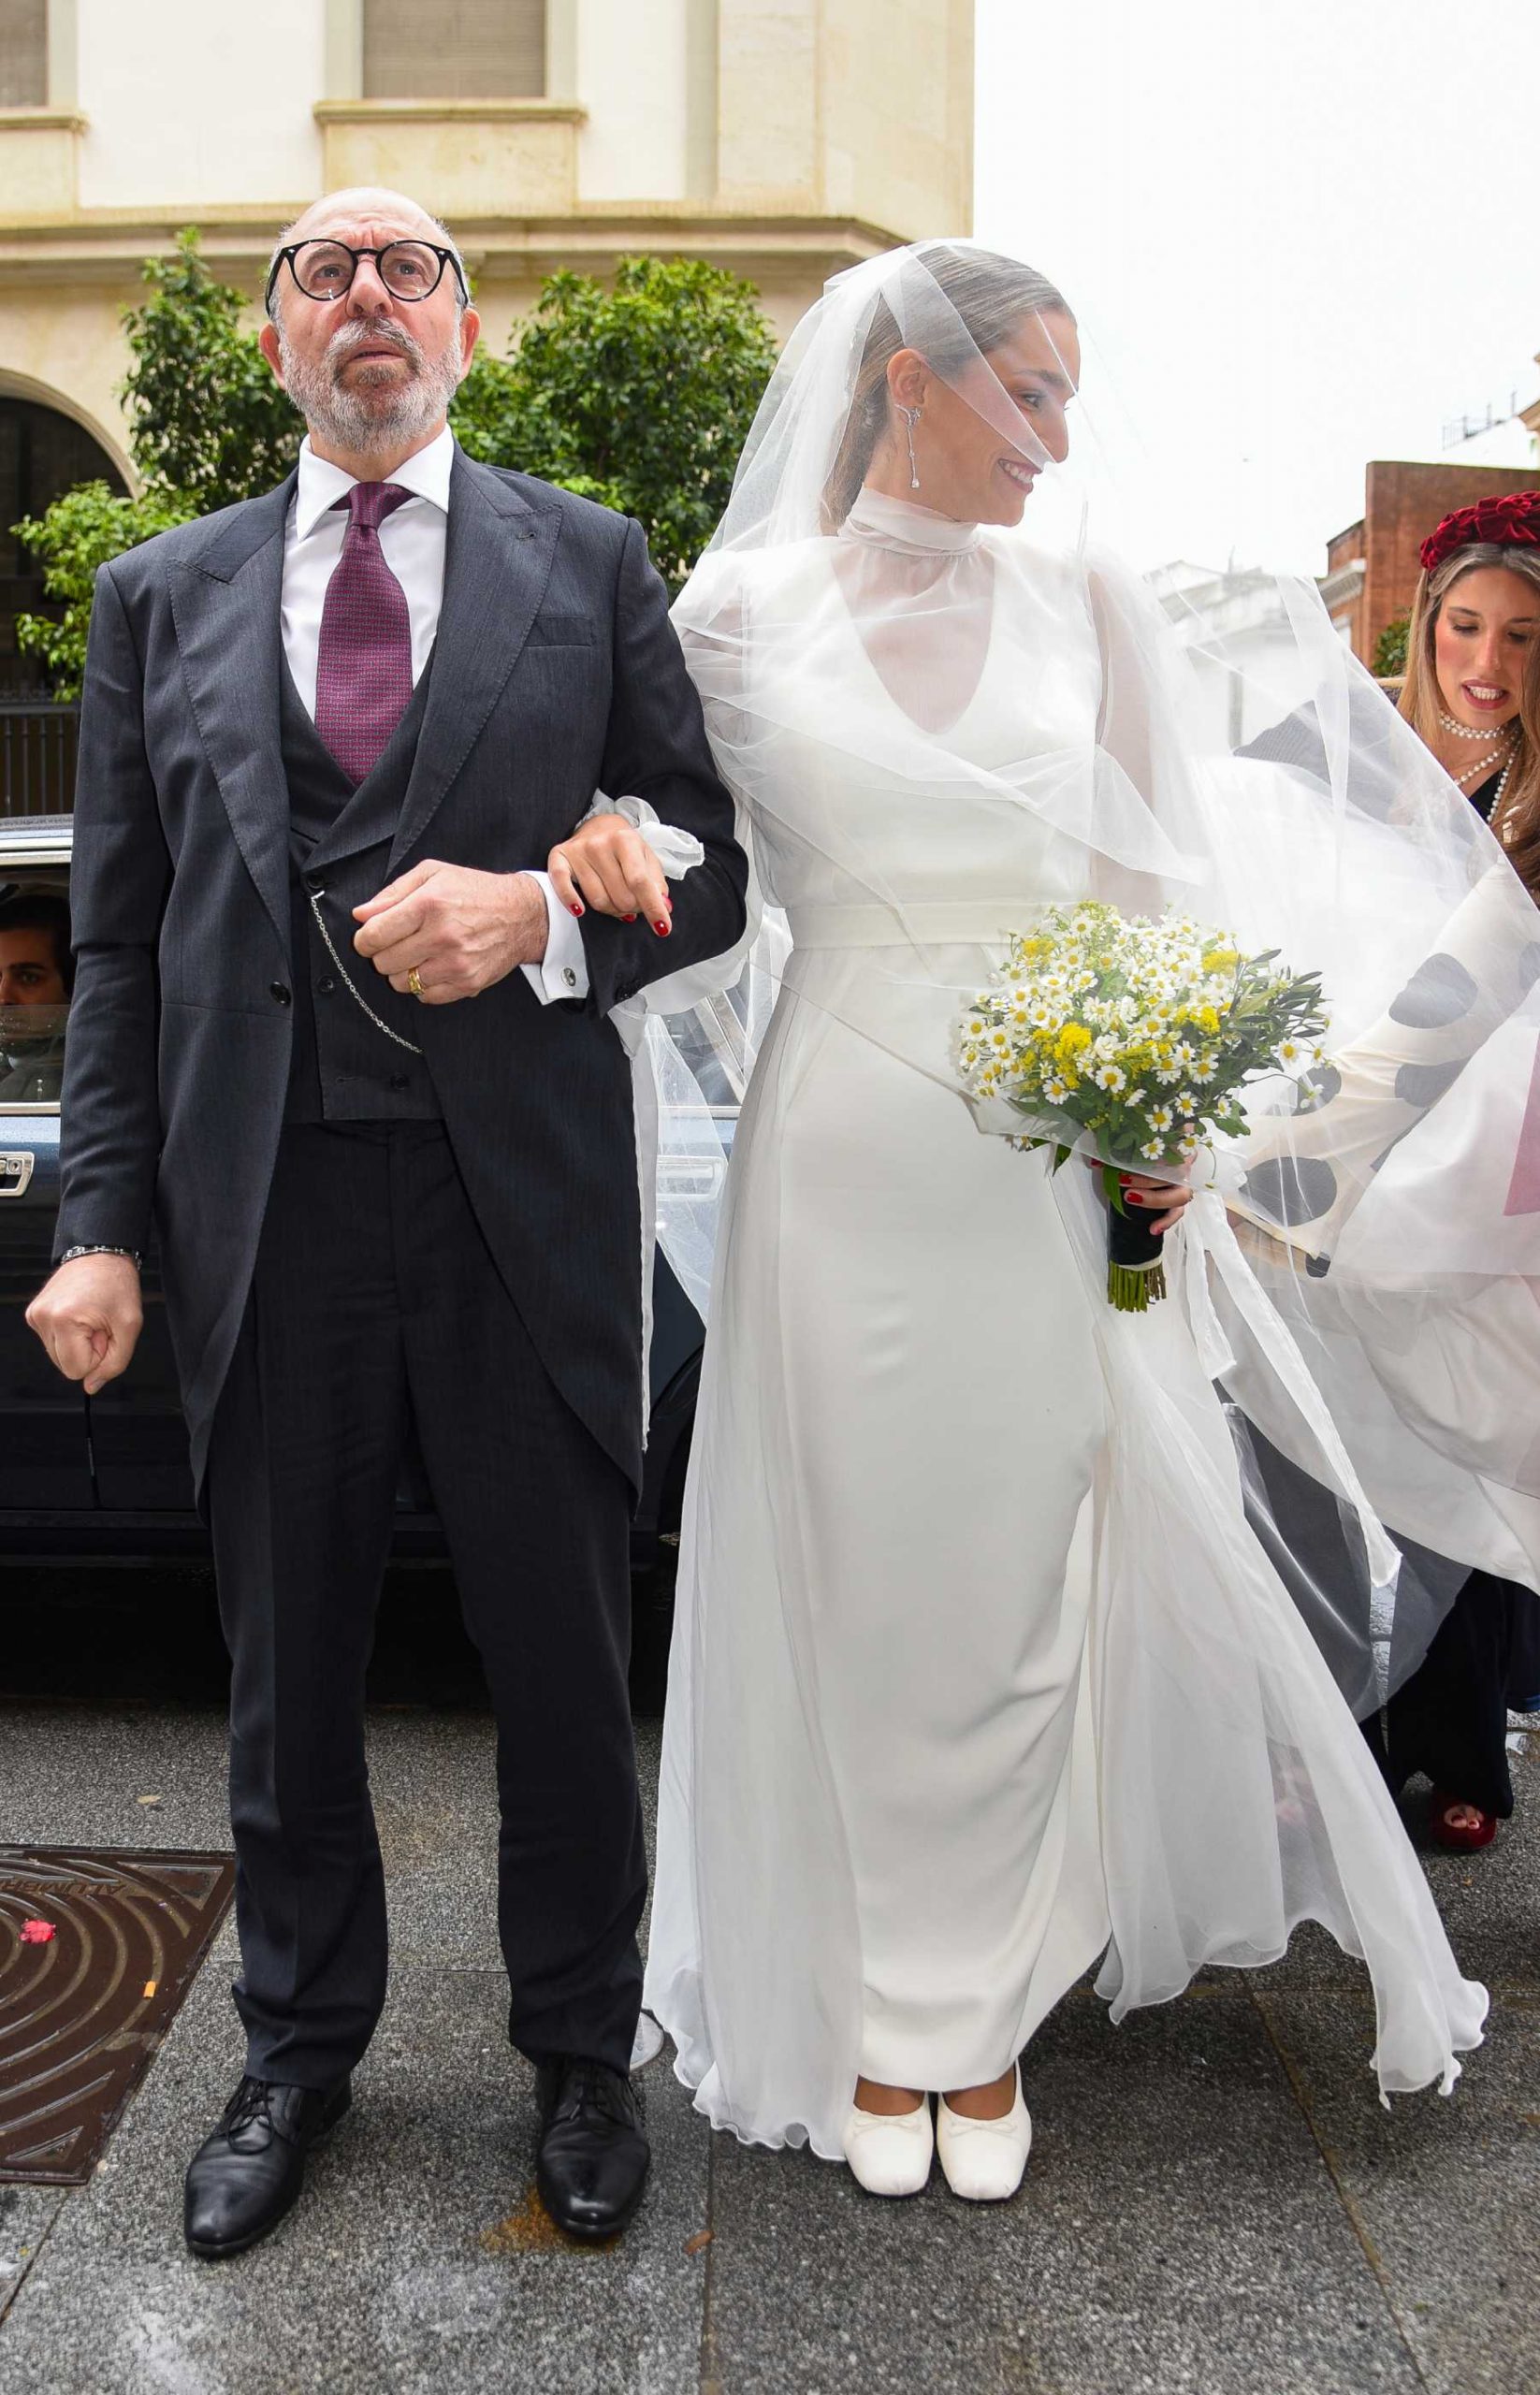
[324, 269]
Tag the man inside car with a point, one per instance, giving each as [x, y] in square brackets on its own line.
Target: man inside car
[36, 974]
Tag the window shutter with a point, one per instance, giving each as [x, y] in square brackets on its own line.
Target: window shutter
[458, 49]
[24, 54]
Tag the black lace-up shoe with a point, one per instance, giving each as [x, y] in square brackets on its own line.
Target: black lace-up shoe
[245, 2177]
[592, 2165]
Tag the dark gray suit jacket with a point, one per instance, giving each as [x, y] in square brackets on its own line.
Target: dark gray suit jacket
[556, 671]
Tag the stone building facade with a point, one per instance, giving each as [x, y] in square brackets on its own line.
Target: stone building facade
[783, 138]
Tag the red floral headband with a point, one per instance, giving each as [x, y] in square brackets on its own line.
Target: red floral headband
[1513, 521]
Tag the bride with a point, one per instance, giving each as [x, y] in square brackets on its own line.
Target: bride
[984, 1662]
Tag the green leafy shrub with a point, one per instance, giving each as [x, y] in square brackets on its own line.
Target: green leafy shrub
[208, 425]
[81, 532]
[1390, 649]
[640, 397]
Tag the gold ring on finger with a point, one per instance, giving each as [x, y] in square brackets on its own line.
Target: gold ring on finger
[415, 983]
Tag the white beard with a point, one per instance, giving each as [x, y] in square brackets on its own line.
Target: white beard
[362, 419]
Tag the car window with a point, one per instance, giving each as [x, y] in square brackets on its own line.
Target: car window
[36, 977]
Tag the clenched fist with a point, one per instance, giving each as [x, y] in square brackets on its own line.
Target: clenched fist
[89, 1316]
[456, 929]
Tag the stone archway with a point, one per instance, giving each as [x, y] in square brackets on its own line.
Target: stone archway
[44, 451]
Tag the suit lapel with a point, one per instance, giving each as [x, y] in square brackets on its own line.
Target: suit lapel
[225, 603]
[497, 563]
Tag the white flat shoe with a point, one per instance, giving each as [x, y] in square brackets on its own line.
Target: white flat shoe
[891, 2153]
[984, 2160]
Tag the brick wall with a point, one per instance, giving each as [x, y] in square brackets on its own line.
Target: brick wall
[1401, 505]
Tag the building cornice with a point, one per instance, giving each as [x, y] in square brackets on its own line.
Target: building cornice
[102, 244]
[42, 120]
[516, 111]
[1341, 587]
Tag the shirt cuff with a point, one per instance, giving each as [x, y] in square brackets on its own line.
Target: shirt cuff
[563, 970]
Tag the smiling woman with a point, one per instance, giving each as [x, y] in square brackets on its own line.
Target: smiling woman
[1472, 665]
[1472, 692]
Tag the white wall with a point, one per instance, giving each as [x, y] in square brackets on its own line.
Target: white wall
[632, 77]
[197, 103]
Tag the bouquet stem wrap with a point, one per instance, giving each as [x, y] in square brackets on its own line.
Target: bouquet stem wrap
[1136, 1270]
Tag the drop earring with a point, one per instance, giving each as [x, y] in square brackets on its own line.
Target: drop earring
[912, 418]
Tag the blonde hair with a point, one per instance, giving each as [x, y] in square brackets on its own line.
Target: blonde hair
[991, 295]
[1517, 826]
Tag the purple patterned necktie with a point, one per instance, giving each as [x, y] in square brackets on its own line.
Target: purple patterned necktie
[363, 664]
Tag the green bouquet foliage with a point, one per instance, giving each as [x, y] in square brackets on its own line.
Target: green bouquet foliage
[1131, 1037]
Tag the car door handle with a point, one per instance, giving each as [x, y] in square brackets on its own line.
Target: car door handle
[16, 1168]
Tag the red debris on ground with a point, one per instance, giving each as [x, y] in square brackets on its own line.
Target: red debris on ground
[36, 1933]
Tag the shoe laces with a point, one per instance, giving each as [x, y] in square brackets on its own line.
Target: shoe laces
[587, 2084]
[247, 2105]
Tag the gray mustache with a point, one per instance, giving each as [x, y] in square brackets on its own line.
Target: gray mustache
[343, 344]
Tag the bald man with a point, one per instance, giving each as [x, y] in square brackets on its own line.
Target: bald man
[333, 1035]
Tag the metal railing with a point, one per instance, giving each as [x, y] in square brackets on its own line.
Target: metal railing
[38, 739]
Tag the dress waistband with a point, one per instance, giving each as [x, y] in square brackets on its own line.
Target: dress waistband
[926, 923]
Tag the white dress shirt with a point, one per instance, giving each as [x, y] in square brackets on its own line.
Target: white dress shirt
[412, 542]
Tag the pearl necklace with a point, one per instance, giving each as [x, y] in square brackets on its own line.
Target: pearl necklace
[1494, 813]
[1461, 731]
[1503, 755]
[1483, 766]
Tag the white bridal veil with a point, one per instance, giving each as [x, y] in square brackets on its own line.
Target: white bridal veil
[1350, 1340]
[1251, 775]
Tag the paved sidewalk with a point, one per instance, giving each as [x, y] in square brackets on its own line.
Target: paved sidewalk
[1216, 2201]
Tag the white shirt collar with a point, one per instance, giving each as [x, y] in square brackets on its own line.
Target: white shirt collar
[321, 484]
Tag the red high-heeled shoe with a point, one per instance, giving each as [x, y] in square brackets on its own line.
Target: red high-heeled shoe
[1460, 1838]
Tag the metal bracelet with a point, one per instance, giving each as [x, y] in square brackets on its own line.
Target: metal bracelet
[132, 1253]
[315, 897]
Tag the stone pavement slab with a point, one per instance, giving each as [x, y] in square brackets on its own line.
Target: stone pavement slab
[1445, 2192]
[26, 2215]
[1176, 2231]
[1490, 1902]
[1216, 2201]
[74, 1774]
[416, 2260]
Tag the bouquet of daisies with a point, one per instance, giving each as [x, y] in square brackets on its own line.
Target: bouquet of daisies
[1131, 1037]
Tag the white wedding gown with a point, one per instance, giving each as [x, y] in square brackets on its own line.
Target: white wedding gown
[977, 1666]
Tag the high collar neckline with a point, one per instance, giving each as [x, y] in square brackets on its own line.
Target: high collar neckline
[898, 524]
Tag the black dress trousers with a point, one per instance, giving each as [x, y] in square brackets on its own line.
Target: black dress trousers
[375, 1303]
[1450, 1718]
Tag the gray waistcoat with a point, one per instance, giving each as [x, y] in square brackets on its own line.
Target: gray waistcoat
[344, 1067]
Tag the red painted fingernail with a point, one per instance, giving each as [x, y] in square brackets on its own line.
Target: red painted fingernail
[1134, 1197]
[663, 930]
[577, 910]
[628, 919]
